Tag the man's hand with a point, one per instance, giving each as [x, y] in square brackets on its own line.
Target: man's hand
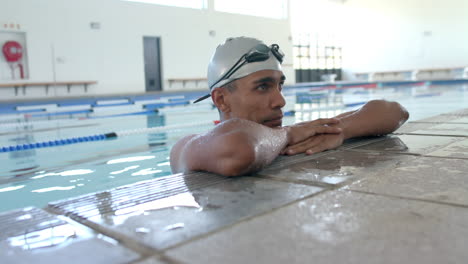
[315, 144]
[301, 132]
[377, 117]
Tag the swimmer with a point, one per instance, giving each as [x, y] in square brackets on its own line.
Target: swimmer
[246, 81]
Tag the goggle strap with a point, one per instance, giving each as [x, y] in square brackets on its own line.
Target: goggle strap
[231, 71]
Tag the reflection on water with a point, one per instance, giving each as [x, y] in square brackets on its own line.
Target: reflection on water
[125, 169]
[55, 188]
[14, 188]
[111, 212]
[36, 177]
[43, 238]
[32, 228]
[130, 159]
[63, 173]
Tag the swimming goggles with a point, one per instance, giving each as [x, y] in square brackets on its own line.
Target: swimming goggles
[260, 52]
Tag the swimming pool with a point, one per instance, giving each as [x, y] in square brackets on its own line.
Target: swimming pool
[34, 177]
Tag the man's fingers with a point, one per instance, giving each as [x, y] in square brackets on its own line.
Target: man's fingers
[325, 121]
[302, 146]
[327, 130]
[316, 149]
[303, 131]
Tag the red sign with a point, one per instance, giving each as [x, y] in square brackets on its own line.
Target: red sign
[12, 51]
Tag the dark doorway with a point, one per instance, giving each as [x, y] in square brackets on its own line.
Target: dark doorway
[152, 56]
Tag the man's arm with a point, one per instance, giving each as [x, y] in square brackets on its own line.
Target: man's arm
[377, 117]
[237, 146]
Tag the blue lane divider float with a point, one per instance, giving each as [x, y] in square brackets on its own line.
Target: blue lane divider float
[100, 137]
[59, 142]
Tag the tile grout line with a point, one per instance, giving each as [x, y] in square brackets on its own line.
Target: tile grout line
[407, 154]
[429, 135]
[437, 123]
[441, 157]
[326, 187]
[297, 181]
[202, 236]
[148, 252]
[160, 257]
[411, 198]
[128, 242]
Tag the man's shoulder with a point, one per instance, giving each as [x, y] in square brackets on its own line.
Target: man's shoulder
[183, 141]
[176, 151]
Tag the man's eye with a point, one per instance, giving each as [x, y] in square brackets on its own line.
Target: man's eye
[262, 87]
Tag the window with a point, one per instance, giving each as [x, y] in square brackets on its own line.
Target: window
[316, 57]
[263, 8]
[313, 51]
[197, 4]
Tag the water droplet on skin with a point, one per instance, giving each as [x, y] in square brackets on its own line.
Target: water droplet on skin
[142, 230]
[174, 226]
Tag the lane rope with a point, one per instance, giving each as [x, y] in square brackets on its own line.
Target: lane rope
[99, 137]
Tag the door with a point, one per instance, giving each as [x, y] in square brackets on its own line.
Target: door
[152, 57]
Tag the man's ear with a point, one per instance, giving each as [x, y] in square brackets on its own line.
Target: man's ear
[221, 99]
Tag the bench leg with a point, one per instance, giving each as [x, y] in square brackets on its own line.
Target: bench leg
[86, 88]
[68, 88]
[47, 89]
[24, 90]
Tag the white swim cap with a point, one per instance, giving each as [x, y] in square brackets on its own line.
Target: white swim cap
[239, 57]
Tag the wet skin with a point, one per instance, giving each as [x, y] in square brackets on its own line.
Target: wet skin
[251, 135]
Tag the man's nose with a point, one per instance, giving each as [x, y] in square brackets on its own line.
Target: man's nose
[278, 100]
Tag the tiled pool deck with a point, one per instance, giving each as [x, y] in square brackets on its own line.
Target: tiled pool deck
[402, 198]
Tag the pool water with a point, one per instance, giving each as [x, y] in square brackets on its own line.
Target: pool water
[35, 177]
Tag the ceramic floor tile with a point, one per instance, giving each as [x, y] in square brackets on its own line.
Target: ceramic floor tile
[410, 144]
[32, 235]
[463, 120]
[361, 141]
[413, 126]
[428, 123]
[458, 129]
[163, 221]
[457, 149]
[459, 113]
[443, 118]
[337, 167]
[437, 179]
[340, 227]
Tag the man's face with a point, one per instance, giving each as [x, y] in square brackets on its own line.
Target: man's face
[257, 97]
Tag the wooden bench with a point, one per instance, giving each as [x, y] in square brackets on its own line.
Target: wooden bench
[24, 85]
[441, 73]
[414, 75]
[186, 80]
[398, 75]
